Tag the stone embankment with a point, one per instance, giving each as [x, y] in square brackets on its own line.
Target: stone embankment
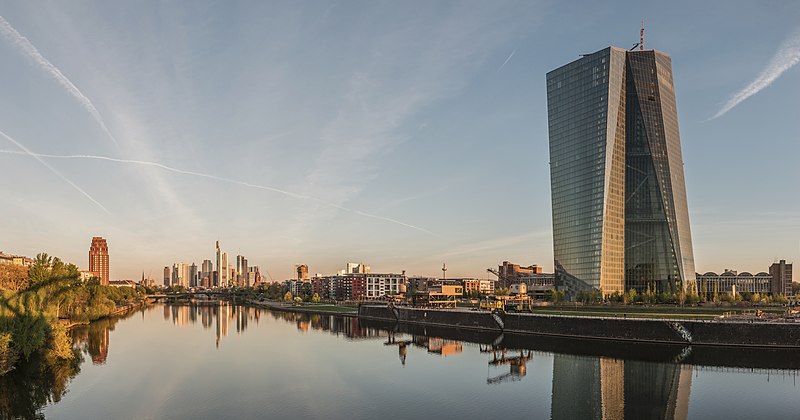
[668, 331]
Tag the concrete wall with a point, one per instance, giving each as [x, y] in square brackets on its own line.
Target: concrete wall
[617, 329]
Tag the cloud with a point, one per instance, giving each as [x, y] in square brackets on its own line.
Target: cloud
[26, 151]
[507, 60]
[788, 56]
[26, 47]
[38, 157]
[481, 247]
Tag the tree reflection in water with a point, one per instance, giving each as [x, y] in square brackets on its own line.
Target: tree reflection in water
[43, 380]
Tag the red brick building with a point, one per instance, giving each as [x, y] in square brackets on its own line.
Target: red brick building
[98, 259]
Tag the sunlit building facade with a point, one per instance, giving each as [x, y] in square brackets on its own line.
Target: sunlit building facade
[620, 218]
[98, 259]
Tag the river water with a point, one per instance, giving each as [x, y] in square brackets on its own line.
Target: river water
[228, 361]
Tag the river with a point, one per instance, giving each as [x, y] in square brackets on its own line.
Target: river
[229, 361]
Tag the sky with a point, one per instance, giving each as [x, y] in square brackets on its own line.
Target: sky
[399, 134]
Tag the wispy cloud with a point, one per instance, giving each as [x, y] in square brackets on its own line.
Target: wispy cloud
[26, 151]
[507, 60]
[482, 247]
[26, 47]
[38, 157]
[788, 56]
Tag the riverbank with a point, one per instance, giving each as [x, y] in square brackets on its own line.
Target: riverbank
[671, 330]
[321, 309]
[120, 311]
[662, 331]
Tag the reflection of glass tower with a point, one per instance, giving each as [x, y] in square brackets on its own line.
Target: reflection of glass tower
[620, 218]
[601, 388]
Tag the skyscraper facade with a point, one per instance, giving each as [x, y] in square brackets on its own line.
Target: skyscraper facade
[223, 270]
[98, 259]
[620, 218]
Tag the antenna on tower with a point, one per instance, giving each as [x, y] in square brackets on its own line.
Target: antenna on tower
[641, 36]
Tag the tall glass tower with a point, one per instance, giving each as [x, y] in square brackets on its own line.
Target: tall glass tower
[620, 218]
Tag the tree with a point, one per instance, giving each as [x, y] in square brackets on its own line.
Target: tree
[315, 298]
[287, 297]
[13, 278]
[501, 291]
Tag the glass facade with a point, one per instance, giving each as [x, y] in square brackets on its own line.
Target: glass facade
[586, 119]
[620, 218]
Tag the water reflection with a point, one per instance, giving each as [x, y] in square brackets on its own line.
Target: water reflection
[605, 388]
[43, 380]
[590, 379]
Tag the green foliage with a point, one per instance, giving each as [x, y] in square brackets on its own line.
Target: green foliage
[501, 291]
[30, 316]
[315, 298]
[7, 354]
[13, 278]
[288, 297]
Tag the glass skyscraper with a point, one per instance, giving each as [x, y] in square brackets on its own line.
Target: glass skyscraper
[620, 218]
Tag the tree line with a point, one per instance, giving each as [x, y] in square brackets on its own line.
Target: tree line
[38, 303]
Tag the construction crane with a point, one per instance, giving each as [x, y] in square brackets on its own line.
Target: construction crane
[517, 366]
[500, 277]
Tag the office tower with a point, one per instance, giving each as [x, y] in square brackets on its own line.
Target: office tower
[206, 268]
[781, 273]
[98, 259]
[223, 270]
[620, 218]
[193, 275]
[241, 271]
[167, 276]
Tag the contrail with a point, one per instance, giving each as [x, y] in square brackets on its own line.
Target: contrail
[507, 60]
[787, 56]
[25, 46]
[38, 156]
[25, 151]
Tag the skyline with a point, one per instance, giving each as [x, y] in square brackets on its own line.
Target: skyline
[399, 124]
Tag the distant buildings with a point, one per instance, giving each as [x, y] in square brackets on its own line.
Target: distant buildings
[778, 281]
[98, 259]
[732, 282]
[620, 214]
[301, 271]
[379, 285]
[355, 268]
[242, 273]
[482, 286]
[167, 277]
[15, 260]
[781, 273]
[223, 268]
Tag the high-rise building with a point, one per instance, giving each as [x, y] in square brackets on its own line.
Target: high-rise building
[620, 218]
[167, 276]
[781, 273]
[301, 271]
[241, 271]
[98, 259]
[193, 275]
[223, 271]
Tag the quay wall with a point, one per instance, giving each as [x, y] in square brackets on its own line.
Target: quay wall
[718, 333]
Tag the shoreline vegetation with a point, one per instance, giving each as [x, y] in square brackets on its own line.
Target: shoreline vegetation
[41, 303]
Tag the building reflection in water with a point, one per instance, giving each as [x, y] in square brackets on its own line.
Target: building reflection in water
[93, 339]
[220, 314]
[517, 364]
[604, 388]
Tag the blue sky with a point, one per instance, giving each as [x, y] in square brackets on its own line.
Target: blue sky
[399, 134]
